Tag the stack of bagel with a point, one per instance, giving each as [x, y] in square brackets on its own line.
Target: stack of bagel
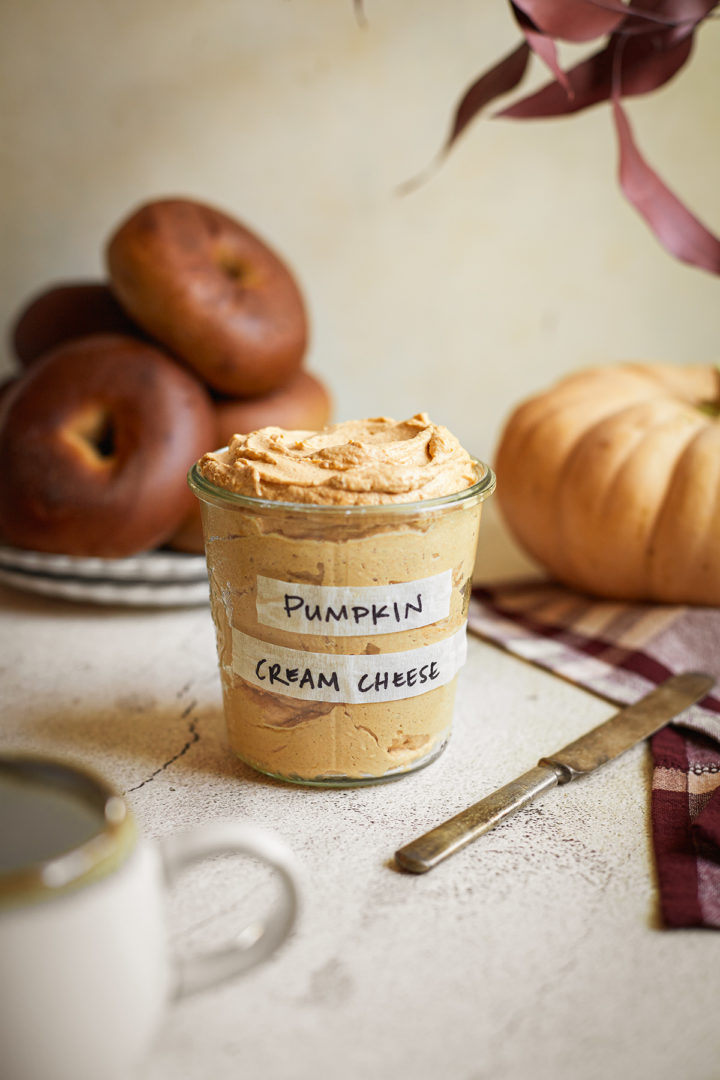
[199, 333]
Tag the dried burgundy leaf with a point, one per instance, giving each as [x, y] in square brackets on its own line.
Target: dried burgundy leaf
[677, 229]
[543, 46]
[502, 78]
[498, 80]
[650, 61]
[644, 62]
[571, 20]
[672, 11]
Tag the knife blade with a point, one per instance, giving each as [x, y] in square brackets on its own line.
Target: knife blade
[601, 744]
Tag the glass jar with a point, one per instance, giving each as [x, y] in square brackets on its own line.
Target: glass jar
[340, 630]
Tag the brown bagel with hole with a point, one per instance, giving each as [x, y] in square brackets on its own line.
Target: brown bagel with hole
[303, 404]
[95, 442]
[64, 312]
[212, 292]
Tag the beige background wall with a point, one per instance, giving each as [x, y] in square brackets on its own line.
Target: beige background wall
[517, 261]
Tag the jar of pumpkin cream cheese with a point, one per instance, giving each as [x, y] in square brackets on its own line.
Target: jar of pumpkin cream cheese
[340, 565]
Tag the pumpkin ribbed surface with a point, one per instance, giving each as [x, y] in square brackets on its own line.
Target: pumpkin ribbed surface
[611, 480]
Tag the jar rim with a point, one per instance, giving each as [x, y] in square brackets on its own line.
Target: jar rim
[209, 492]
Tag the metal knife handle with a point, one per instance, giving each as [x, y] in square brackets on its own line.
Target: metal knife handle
[444, 840]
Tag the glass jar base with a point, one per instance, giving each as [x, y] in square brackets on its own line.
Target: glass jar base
[347, 781]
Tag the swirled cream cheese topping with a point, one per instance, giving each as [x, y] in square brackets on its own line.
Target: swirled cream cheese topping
[357, 462]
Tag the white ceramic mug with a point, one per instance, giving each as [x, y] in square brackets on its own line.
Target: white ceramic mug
[85, 973]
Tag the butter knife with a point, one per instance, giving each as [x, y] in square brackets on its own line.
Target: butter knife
[604, 743]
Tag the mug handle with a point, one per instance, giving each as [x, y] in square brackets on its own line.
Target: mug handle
[222, 838]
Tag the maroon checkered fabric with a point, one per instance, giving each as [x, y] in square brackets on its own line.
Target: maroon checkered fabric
[621, 651]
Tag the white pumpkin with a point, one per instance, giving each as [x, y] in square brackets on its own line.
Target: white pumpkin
[611, 480]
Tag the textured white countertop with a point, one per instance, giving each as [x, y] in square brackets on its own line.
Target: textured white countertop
[534, 952]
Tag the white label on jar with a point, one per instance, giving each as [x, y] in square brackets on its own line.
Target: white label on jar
[350, 679]
[351, 610]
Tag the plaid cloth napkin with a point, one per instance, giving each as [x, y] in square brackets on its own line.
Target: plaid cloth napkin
[621, 651]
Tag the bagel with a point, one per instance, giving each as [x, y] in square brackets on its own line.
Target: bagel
[95, 442]
[63, 312]
[5, 389]
[212, 292]
[303, 404]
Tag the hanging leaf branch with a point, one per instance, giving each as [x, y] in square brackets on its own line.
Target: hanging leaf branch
[644, 44]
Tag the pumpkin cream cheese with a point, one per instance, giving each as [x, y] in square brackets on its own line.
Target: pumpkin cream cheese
[339, 591]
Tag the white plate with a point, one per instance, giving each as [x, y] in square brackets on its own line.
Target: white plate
[162, 566]
[152, 579]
